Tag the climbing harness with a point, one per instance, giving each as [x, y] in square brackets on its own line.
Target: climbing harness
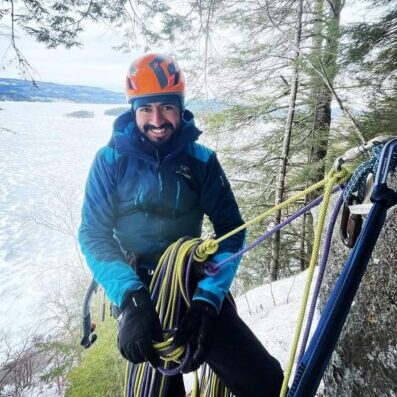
[314, 361]
[170, 289]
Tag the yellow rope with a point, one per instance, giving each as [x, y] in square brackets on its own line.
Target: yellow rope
[196, 389]
[126, 379]
[331, 180]
[210, 246]
[180, 250]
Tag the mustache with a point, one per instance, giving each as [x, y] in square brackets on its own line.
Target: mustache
[148, 127]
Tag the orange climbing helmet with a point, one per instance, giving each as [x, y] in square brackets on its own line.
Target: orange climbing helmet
[154, 75]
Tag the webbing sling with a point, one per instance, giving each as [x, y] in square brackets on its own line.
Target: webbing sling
[314, 362]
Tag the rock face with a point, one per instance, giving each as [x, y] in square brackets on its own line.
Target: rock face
[364, 363]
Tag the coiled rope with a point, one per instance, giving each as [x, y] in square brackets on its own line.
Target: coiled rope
[171, 292]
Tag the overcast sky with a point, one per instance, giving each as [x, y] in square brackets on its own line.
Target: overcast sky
[94, 64]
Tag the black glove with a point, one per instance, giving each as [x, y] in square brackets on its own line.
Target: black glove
[197, 328]
[139, 328]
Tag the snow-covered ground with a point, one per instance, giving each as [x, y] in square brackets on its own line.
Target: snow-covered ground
[271, 311]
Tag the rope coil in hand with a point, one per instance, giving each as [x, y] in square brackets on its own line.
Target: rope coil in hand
[172, 296]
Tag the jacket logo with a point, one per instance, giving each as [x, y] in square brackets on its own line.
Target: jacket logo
[184, 170]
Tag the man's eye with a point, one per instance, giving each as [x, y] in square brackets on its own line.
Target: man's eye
[144, 110]
[168, 107]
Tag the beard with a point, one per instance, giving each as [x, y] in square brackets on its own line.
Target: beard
[159, 135]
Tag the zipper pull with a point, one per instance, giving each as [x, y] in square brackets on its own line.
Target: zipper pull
[158, 158]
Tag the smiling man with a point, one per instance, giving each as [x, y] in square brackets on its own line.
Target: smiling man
[150, 186]
[158, 120]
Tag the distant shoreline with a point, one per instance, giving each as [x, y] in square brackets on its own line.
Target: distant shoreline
[18, 90]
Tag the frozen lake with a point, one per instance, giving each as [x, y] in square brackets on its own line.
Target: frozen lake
[45, 158]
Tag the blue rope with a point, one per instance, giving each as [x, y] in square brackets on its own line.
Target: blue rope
[358, 180]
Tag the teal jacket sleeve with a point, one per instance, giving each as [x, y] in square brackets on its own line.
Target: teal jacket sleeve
[218, 202]
[101, 250]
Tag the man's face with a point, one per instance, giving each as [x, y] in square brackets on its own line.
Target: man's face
[158, 121]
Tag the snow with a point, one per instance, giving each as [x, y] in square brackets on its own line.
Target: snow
[274, 322]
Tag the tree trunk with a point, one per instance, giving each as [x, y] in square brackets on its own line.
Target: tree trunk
[325, 62]
[286, 145]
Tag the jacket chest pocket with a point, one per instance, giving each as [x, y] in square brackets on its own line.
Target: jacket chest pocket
[140, 194]
[184, 197]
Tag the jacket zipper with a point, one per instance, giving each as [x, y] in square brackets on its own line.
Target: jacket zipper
[178, 196]
[160, 191]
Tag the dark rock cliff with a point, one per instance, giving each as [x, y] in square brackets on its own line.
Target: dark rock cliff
[364, 363]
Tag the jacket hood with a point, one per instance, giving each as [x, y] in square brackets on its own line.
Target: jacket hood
[128, 140]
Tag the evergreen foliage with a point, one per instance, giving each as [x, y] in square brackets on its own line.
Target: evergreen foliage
[101, 369]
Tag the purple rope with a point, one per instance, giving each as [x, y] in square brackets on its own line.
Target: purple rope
[153, 382]
[146, 382]
[156, 288]
[130, 372]
[179, 368]
[213, 268]
[322, 266]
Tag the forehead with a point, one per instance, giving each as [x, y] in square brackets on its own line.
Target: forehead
[157, 104]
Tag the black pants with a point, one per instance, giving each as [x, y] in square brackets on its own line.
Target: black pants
[237, 357]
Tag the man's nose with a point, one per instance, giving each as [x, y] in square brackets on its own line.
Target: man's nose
[157, 117]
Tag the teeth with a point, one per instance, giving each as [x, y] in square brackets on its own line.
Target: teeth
[158, 131]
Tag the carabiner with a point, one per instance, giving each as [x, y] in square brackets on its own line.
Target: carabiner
[350, 224]
[88, 337]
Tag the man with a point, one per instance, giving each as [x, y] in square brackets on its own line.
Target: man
[151, 185]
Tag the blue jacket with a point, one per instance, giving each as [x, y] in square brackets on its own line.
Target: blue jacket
[141, 199]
